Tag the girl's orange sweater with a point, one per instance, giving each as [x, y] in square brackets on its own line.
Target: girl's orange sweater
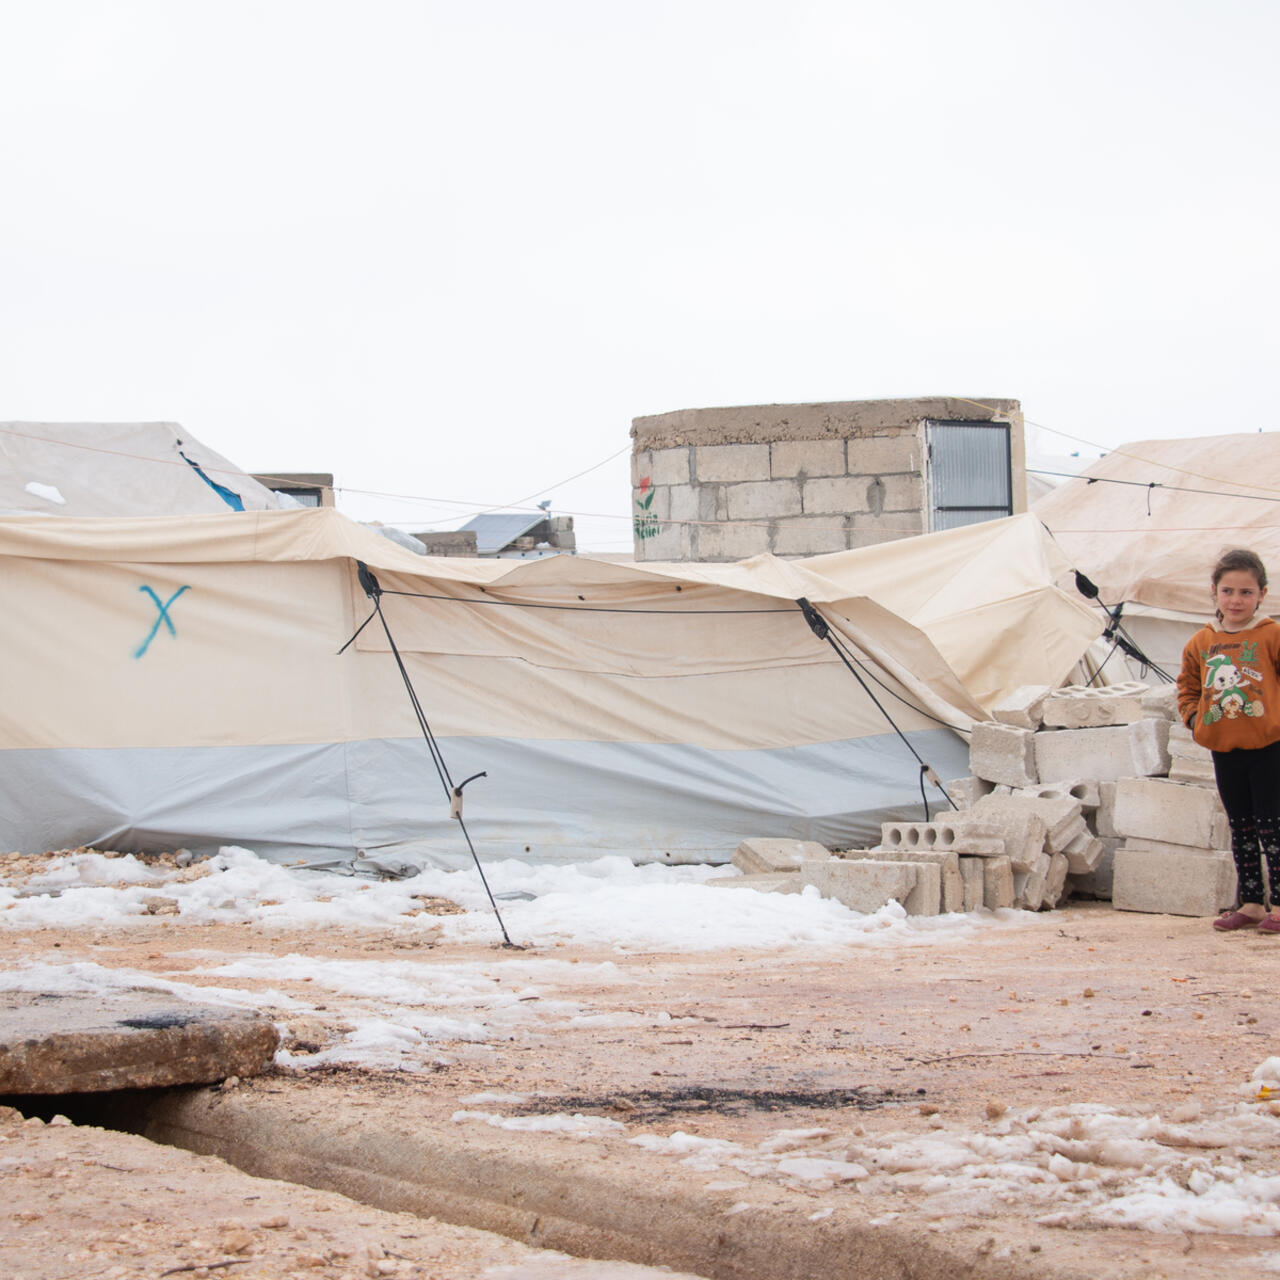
[1230, 683]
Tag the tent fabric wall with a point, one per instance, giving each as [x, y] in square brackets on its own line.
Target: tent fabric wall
[179, 682]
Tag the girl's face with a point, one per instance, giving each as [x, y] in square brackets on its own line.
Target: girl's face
[1238, 596]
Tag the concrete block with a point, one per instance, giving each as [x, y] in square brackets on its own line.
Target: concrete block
[964, 791]
[1001, 753]
[809, 535]
[1182, 746]
[764, 855]
[997, 883]
[864, 886]
[1021, 828]
[730, 541]
[763, 499]
[884, 455]
[1161, 703]
[1029, 886]
[926, 898]
[668, 466]
[721, 463]
[837, 495]
[1079, 706]
[1104, 816]
[967, 837]
[1060, 814]
[801, 459]
[1194, 772]
[767, 882]
[951, 885]
[1134, 750]
[1157, 809]
[971, 875]
[1085, 793]
[1055, 886]
[1058, 841]
[1024, 707]
[1083, 854]
[903, 492]
[1183, 884]
[127, 1040]
[1097, 883]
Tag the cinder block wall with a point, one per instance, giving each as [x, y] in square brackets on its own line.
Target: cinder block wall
[793, 479]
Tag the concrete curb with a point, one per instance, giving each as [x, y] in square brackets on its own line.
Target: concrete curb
[575, 1199]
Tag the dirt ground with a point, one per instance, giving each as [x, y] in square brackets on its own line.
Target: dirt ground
[1149, 1014]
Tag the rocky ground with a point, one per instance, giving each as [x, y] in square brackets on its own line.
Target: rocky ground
[819, 1073]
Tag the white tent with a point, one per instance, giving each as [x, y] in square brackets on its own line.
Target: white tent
[178, 682]
[118, 469]
[1147, 522]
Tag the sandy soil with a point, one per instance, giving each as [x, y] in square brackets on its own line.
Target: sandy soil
[1146, 1013]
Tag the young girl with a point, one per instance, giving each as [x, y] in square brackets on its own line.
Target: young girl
[1229, 696]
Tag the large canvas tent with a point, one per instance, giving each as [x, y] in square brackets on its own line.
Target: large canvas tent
[119, 469]
[179, 682]
[1147, 522]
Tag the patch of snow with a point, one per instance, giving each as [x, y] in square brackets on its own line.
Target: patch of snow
[48, 492]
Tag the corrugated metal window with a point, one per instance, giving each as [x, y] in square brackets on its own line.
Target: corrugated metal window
[970, 473]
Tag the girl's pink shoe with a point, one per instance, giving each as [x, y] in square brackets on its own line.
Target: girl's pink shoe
[1269, 924]
[1238, 920]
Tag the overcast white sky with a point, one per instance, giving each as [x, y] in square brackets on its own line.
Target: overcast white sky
[450, 249]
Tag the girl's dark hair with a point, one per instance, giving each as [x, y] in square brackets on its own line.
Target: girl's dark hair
[1240, 559]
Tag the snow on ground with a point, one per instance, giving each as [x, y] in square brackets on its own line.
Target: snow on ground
[396, 1013]
[607, 902]
[1072, 1166]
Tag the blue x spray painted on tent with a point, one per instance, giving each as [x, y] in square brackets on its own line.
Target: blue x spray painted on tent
[162, 616]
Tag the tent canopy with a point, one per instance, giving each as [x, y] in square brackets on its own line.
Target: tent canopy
[118, 469]
[181, 683]
[1148, 521]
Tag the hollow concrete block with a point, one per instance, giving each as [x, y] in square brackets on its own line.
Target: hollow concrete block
[1024, 707]
[1083, 707]
[1056, 881]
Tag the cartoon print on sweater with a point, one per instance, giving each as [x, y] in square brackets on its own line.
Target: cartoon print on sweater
[1232, 697]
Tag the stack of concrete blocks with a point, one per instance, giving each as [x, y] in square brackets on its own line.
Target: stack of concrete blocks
[1146, 829]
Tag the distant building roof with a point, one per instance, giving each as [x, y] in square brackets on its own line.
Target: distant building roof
[496, 530]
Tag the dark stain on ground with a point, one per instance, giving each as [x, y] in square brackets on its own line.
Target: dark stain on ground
[655, 1104]
[159, 1021]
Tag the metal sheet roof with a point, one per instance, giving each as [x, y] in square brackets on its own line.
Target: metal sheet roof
[498, 529]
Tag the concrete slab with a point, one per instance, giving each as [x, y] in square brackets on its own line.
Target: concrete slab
[765, 882]
[1186, 884]
[761, 856]
[866, 886]
[55, 1043]
[1140, 749]
[1083, 707]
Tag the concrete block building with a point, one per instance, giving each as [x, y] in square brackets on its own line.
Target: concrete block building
[803, 479]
